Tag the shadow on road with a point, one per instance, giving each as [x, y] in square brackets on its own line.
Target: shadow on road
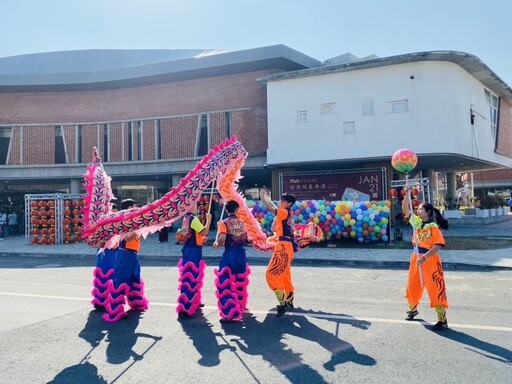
[121, 340]
[83, 373]
[266, 339]
[481, 347]
[199, 330]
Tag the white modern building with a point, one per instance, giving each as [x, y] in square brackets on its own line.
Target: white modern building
[447, 107]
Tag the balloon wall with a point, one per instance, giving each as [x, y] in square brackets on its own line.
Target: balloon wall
[363, 222]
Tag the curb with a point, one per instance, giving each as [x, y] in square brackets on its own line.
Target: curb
[212, 260]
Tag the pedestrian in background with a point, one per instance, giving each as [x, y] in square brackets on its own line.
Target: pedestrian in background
[12, 219]
[163, 235]
[3, 224]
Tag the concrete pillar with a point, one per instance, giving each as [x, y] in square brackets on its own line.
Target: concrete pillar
[451, 186]
[75, 186]
[175, 180]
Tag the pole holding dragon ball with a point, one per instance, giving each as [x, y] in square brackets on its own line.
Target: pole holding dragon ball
[404, 160]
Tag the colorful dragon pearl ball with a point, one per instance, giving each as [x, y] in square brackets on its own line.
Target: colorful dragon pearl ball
[404, 160]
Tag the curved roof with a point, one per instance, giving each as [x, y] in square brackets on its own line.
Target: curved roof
[472, 64]
[92, 60]
[113, 68]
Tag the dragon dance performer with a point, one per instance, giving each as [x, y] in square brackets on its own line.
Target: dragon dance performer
[105, 259]
[126, 280]
[278, 273]
[233, 273]
[427, 262]
[191, 265]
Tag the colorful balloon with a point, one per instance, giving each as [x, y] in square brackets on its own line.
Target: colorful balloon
[404, 160]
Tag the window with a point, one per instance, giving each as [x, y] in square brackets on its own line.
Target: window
[492, 102]
[202, 137]
[5, 140]
[78, 143]
[60, 148]
[228, 124]
[349, 127]
[106, 134]
[399, 106]
[328, 109]
[368, 107]
[302, 117]
[130, 141]
[139, 140]
[158, 137]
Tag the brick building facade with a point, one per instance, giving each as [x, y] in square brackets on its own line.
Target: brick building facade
[160, 115]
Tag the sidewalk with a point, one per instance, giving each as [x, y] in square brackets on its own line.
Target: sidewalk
[377, 256]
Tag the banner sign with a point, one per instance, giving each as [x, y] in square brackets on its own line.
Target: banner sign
[345, 185]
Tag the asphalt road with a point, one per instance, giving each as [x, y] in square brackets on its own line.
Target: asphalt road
[349, 327]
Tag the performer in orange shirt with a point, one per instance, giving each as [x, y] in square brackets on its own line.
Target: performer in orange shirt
[191, 265]
[233, 273]
[427, 262]
[126, 281]
[278, 273]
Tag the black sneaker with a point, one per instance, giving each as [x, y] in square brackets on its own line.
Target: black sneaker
[411, 314]
[201, 305]
[183, 315]
[440, 325]
[224, 321]
[99, 308]
[281, 310]
[290, 306]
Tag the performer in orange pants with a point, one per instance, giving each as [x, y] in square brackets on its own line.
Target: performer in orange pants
[278, 273]
[427, 262]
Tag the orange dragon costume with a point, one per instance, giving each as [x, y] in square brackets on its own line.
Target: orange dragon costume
[428, 235]
[278, 275]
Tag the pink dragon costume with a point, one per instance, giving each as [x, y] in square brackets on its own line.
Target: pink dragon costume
[103, 228]
[232, 276]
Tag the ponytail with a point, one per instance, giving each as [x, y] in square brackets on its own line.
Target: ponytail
[441, 221]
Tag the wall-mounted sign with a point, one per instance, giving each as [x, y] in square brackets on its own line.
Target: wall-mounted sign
[349, 185]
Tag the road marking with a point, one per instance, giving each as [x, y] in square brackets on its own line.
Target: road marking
[295, 313]
[48, 266]
[44, 296]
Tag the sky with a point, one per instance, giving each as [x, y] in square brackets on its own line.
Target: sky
[321, 29]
